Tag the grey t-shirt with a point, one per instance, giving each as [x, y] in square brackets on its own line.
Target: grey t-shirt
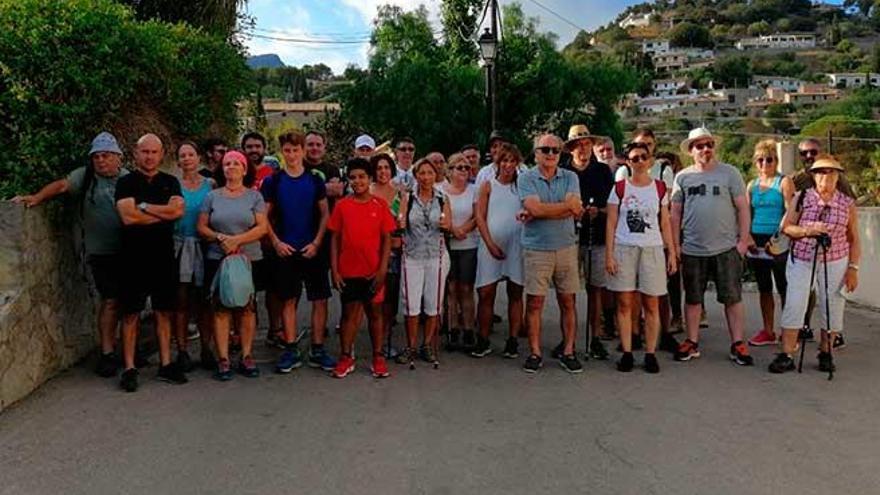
[709, 224]
[101, 223]
[233, 216]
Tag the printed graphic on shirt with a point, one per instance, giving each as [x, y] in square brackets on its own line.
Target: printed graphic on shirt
[639, 218]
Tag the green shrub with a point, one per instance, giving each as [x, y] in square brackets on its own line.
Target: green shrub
[71, 68]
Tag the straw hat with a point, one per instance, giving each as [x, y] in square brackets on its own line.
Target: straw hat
[578, 132]
[826, 162]
[696, 135]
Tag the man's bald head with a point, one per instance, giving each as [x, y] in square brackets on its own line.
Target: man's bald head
[149, 153]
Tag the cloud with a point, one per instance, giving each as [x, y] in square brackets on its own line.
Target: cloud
[368, 8]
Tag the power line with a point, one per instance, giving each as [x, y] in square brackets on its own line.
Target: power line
[335, 35]
[559, 16]
[308, 41]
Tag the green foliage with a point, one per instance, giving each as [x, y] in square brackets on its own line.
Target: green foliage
[71, 68]
[758, 28]
[459, 24]
[214, 16]
[732, 71]
[688, 34]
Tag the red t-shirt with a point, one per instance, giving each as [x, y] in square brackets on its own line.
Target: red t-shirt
[262, 173]
[361, 226]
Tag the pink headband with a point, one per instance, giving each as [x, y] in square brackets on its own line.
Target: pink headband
[235, 155]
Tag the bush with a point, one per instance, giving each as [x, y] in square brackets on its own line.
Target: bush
[71, 68]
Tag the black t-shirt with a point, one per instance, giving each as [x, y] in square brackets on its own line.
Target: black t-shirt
[596, 182]
[326, 172]
[157, 238]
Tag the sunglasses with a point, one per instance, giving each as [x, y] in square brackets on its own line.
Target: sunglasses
[765, 159]
[708, 145]
[638, 158]
[548, 150]
[823, 171]
[809, 152]
[407, 149]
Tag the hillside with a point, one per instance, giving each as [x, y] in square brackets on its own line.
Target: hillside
[268, 60]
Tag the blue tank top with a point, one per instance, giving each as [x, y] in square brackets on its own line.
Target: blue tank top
[192, 203]
[768, 207]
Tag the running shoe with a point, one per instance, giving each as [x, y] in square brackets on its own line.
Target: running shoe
[379, 367]
[626, 362]
[839, 343]
[782, 363]
[343, 367]
[597, 350]
[224, 371]
[129, 380]
[171, 373]
[248, 367]
[288, 361]
[406, 356]
[571, 364]
[511, 348]
[319, 358]
[533, 363]
[687, 350]
[427, 354]
[275, 338]
[107, 365]
[826, 362]
[558, 351]
[651, 365]
[482, 349]
[668, 343]
[763, 338]
[739, 354]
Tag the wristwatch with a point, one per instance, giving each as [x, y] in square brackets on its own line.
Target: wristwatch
[142, 206]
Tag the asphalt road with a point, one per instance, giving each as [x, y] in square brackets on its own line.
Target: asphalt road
[473, 426]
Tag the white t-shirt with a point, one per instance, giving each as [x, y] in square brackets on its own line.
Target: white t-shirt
[490, 171]
[668, 175]
[462, 206]
[638, 223]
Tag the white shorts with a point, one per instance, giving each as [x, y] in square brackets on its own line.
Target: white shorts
[641, 269]
[797, 295]
[423, 282]
[597, 273]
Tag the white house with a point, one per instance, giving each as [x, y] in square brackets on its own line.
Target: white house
[852, 79]
[779, 40]
[670, 61]
[661, 105]
[668, 87]
[652, 46]
[636, 20]
[777, 82]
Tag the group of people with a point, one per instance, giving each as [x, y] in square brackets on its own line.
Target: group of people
[437, 235]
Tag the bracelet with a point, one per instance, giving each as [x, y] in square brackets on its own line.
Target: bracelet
[853, 266]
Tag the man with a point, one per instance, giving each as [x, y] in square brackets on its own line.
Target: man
[254, 146]
[471, 153]
[551, 199]
[95, 187]
[214, 148]
[439, 162]
[316, 149]
[364, 146]
[710, 209]
[293, 196]
[496, 139]
[404, 153]
[603, 148]
[596, 183]
[148, 201]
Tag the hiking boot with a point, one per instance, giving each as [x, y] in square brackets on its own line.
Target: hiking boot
[468, 340]
[129, 380]
[739, 354]
[454, 342]
[107, 365]
[248, 367]
[782, 363]
[668, 343]
[597, 350]
[482, 349]
[224, 371]
[288, 361]
[427, 354]
[184, 362]
[651, 365]
[626, 362]
[826, 362]
[571, 364]
[319, 358]
[379, 369]
[343, 367]
[533, 363]
[406, 356]
[687, 350]
[763, 338]
[511, 348]
[208, 362]
[839, 343]
[171, 373]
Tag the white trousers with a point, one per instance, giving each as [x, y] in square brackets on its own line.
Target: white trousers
[423, 282]
[797, 295]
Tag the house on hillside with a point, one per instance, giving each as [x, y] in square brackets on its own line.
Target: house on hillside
[778, 40]
[299, 114]
[652, 46]
[811, 96]
[636, 20]
[669, 87]
[847, 80]
[777, 82]
[686, 58]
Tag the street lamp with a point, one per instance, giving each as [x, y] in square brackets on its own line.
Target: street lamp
[489, 51]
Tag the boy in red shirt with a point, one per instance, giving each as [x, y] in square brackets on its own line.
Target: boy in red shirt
[361, 245]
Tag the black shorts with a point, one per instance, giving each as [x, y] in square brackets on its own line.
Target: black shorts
[768, 270]
[290, 273]
[360, 290]
[463, 266]
[148, 275]
[105, 270]
[725, 269]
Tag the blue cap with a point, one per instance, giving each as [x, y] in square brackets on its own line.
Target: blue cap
[105, 142]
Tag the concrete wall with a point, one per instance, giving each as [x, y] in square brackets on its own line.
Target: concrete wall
[46, 310]
[868, 292]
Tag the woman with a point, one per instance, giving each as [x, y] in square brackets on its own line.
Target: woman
[462, 251]
[426, 217]
[233, 219]
[634, 255]
[823, 212]
[188, 250]
[499, 255]
[767, 196]
[384, 170]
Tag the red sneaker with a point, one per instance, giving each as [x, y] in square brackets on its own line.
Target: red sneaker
[344, 366]
[380, 367]
[763, 338]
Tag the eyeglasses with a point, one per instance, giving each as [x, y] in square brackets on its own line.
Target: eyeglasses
[548, 150]
[407, 149]
[462, 168]
[823, 171]
[809, 152]
[708, 145]
[638, 158]
[765, 159]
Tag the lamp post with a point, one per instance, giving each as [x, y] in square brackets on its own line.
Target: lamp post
[489, 51]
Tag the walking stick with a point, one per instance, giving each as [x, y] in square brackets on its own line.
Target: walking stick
[589, 277]
[825, 241]
[802, 335]
[436, 339]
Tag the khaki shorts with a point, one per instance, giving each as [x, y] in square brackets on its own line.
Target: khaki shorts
[559, 267]
[597, 273]
[641, 269]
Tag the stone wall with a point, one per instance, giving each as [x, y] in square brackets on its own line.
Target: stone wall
[868, 292]
[47, 314]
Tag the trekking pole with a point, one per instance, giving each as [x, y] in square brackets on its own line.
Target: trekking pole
[436, 339]
[589, 277]
[825, 241]
[802, 335]
[412, 364]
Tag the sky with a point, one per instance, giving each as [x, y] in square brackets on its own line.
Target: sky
[351, 21]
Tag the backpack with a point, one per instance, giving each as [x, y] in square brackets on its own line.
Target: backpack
[233, 283]
[663, 166]
[620, 189]
[411, 198]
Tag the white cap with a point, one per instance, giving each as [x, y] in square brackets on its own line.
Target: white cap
[364, 140]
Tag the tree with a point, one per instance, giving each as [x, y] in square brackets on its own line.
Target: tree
[759, 28]
[863, 6]
[733, 71]
[215, 16]
[688, 34]
[459, 19]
